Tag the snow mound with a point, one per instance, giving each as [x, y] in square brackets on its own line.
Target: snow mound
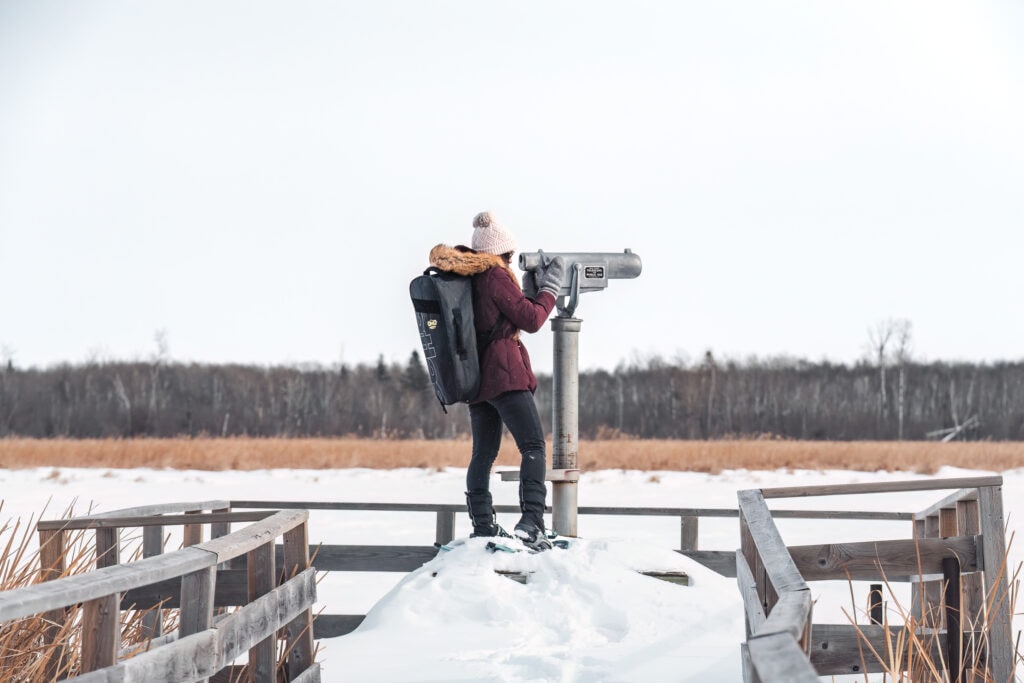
[584, 614]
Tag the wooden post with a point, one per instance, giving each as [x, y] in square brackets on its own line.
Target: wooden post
[193, 532]
[749, 672]
[916, 591]
[932, 590]
[218, 529]
[197, 591]
[688, 527]
[765, 591]
[875, 608]
[948, 529]
[445, 527]
[101, 632]
[998, 618]
[954, 637]
[152, 545]
[300, 629]
[52, 565]
[108, 548]
[969, 524]
[972, 589]
[749, 552]
[262, 578]
[101, 618]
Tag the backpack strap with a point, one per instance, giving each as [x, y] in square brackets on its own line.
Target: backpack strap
[483, 342]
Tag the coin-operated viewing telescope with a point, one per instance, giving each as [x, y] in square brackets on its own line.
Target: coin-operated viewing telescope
[584, 272]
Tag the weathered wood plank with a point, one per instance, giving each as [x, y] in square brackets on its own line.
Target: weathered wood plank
[947, 522]
[1001, 651]
[197, 589]
[369, 558]
[972, 590]
[847, 649]
[52, 565]
[232, 590]
[156, 520]
[108, 547]
[193, 532]
[77, 588]
[898, 559]
[881, 487]
[951, 600]
[255, 535]
[334, 625]
[101, 618]
[197, 604]
[789, 615]
[262, 577]
[748, 591]
[583, 510]
[688, 532]
[299, 630]
[749, 675]
[678, 578]
[152, 621]
[275, 609]
[916, 594]
[949, 501]
[310, 675]
[781, 569]
[515, 575]
[777, 657]
[444, 527]
[159, 509]
[876, 604]
[721, 561]
[931, 590]
[218, 529]
[101, 633]
[748, 551]
[201, 655]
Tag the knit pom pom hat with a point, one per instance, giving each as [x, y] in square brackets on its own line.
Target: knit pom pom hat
[489, 237]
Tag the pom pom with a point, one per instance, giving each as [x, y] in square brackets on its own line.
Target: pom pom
[483, 220]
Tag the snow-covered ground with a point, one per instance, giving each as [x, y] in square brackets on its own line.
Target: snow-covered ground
[584, 615]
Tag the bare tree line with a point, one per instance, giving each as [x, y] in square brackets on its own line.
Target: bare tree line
[888, 397]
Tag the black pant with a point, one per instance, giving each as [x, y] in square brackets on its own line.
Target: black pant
[518, 411]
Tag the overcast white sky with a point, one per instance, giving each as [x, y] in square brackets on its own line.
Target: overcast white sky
[262, 180]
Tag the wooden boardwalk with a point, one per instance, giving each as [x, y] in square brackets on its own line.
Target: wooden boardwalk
[263, 569]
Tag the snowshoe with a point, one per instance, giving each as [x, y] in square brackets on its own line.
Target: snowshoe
[533, 536]
[490, 531]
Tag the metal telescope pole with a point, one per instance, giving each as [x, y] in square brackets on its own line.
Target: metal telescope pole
[586, 272]
[565, 423]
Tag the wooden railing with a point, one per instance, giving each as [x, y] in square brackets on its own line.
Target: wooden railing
[273, 599]
[244, 568]
[405, 558]
[955, 561]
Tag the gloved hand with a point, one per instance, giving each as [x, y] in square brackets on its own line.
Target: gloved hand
[550, 279]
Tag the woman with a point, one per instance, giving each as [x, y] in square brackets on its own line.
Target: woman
[507, 382]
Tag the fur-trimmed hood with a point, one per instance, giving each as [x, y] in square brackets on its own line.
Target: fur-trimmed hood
[462, 260]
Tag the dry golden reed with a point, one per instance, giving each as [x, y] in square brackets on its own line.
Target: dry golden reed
[631, 454]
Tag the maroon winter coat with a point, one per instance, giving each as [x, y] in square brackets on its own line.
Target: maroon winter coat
[504, 363]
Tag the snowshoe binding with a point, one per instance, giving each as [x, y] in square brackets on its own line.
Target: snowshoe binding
[532, 536]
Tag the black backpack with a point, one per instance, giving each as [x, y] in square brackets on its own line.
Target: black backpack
[443, 302]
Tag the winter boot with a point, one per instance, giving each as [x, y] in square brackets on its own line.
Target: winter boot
[532, 536]
[481, 513]
[530, 529]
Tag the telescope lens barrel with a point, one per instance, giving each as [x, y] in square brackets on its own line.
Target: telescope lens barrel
[612, 265]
